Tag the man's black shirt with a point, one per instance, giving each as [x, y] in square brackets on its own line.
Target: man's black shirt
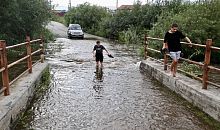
[173, 40]
[99, 49]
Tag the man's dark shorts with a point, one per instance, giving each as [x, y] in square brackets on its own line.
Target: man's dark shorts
[99, 57]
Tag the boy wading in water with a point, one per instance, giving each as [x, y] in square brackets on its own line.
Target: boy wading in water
[172, 40]
[98, 53]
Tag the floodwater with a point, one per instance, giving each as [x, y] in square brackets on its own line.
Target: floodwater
[115, 97]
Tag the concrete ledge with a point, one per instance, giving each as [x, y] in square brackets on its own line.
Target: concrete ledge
[20, 94]
[190, 89]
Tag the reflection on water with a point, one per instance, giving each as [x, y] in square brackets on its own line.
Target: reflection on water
[99, 74]
[98, 85]
[99, 91]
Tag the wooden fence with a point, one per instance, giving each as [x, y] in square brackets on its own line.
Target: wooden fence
[4, 66]
[206, 67]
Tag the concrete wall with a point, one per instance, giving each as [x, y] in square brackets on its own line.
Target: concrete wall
[21, 93]
[188, 88]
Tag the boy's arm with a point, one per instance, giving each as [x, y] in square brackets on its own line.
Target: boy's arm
[107, 51]
[93, 52]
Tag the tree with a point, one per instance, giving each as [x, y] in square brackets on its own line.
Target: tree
[21, 17]
[199, 21]
[87, 16]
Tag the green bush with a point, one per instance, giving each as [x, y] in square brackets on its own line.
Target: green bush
[88, 16]
[199, 22]
[22, 17]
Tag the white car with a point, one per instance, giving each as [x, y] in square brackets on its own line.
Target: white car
[75, 31]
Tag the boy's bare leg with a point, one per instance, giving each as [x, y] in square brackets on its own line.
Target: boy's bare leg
[172, 67]
[101, 64]
[175, 68]
[97, 64]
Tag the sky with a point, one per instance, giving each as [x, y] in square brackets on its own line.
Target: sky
[63, 4]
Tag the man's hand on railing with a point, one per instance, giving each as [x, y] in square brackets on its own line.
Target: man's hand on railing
[190, 44]
[189, 41]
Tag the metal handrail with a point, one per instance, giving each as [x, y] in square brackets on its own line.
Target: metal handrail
[17, 45]
[2, 69]
[37, 40]
[18, 61]
[193, 44]
[39, 50]
[5, 66]
[206, 67]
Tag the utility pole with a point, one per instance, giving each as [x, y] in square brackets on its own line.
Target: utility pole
[116, 4]
[50, 2]
[69, 5]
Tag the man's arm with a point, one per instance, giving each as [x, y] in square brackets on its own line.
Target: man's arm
[188, 40]
[164, 45]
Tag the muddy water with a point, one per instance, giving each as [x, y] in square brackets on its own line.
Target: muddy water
[116, 97]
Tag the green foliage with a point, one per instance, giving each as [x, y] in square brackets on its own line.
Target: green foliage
[130, 36]
[191, 68]
[104, 27]
[198, 21]
[107, 23]
[57, 18]
[157, 45]
[87, 16]
[19, 18]
[140, 17]
[47, 35]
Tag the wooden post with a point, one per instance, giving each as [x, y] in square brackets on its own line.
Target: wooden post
[42, 50]
[206, 63]
[29, 59]
[4, 63]
[145, 46]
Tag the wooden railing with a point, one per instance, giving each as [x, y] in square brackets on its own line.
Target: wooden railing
[4, 66]
[205, 66]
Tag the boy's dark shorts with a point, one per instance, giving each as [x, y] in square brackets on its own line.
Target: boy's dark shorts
[99, 58]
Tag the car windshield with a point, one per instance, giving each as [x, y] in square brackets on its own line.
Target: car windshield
[75, 28]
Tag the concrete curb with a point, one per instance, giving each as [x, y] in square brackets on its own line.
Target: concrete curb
[188, 88]
[21, 93]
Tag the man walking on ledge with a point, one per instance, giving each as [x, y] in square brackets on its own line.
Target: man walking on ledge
[172, 40]
[98, 53]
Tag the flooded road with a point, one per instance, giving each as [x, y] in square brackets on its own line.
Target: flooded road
[118, 97]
